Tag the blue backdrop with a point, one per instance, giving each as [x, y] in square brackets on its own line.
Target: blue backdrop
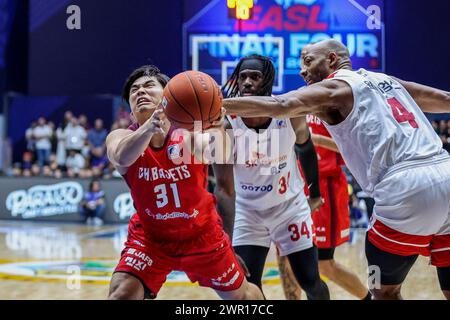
[117, 36]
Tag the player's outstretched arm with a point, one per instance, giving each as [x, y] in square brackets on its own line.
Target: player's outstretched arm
[313, 99]
[428, 98]
[125, 146]
[225, 194]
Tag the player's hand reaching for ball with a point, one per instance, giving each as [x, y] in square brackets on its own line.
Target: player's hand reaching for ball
[156, 122]
[315, 203]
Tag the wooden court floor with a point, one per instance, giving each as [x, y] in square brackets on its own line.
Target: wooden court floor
[72, 261]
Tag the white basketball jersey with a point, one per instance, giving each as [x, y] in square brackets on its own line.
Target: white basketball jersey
[385, 130]
[266, 171]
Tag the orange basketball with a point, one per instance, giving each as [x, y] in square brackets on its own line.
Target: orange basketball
[192, 96]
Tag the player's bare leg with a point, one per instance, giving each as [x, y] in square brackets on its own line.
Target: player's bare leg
[247, 291]
[124, 286]
[343, 277]
[291, 288]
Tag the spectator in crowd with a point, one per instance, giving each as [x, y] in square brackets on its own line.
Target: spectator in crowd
[75, 163]
[446, 138]
[358, 212]
[61, 150]
[120, 124]
[435, 126]
[27, 160]
[47, 172]
[26, 172]
[42, 134]
[96, 139]
[30, 137]
[93, 204]
[35, 170]
[75, 135]
[83, 121]
[53, 138]
[68, 115]
[442, 127]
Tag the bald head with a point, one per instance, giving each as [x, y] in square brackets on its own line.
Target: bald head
[320, 59]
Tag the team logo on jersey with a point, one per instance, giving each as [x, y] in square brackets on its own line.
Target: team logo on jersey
[173, 152]
[281, 124]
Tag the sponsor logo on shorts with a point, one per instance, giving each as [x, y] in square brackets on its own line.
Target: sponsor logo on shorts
[137, 260]
[139, 243]
[218, 281]
[172, 215]
[321, 239]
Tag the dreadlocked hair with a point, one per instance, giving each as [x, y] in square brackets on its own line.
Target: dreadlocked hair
[231, 88]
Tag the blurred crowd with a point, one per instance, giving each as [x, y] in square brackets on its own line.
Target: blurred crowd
[75, 148]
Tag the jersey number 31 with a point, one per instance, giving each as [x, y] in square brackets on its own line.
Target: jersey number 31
[161, 195]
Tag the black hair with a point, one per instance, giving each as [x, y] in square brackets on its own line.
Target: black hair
[231, 88]
[147, 70]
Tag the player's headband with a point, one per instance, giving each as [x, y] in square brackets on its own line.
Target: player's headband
[252, 64]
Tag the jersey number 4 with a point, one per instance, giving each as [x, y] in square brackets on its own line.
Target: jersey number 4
[161, 195]
[401, 114]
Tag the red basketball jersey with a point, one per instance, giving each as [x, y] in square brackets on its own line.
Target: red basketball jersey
[171, 199]
[329, 161]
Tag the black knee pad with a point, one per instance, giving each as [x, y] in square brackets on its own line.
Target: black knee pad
[305, 267]
[254, 258]
[393, 268]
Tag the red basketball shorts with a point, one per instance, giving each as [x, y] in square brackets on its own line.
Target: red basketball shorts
[332, 220]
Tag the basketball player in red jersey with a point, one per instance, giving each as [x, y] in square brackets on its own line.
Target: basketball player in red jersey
[332, 219]
[176, 226]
